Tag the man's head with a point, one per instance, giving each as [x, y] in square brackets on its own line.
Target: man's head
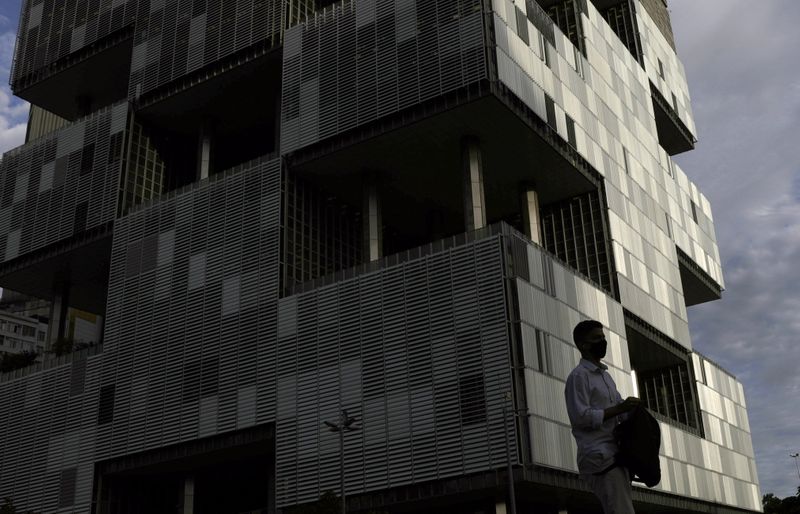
[589, 338]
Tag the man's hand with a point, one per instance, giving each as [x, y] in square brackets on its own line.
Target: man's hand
[627, 405]
[630, 403]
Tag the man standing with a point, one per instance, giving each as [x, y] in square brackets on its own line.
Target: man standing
[595, 408]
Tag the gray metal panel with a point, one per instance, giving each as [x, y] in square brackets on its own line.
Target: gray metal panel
[394, 347]
[43, 182]
[365, 59]
[50, 31]
[182, 364]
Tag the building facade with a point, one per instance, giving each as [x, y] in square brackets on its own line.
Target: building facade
[399, 208]
[20, 334]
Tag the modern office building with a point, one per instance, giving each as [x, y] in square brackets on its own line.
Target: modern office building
[283, 209]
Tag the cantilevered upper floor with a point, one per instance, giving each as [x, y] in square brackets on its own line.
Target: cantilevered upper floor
[561, 98]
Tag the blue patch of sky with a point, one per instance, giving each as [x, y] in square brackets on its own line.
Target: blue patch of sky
[9, 19]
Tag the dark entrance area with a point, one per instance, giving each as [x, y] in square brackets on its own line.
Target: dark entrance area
[228, 474]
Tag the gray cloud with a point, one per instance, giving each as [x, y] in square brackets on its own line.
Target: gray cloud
[740, 62]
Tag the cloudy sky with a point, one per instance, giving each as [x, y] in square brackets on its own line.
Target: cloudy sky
[741, 62]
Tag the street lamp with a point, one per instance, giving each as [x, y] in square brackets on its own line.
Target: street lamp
[512, 500]
[345, 424]
[795, 456]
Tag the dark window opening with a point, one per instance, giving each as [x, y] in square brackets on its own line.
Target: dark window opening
[694, 210]
[664, 375]
[566, 14]
[543, 352]
[571, 132]
[522, 25]
[321, 235]
[115, 147]
[209, 377]
[621, 17]
[66, 487]
[551, 111]
[472, 398]
[105, 411]
[627, 163]
[574, 231]
[87, 159]
[81, 214]
[191, 381]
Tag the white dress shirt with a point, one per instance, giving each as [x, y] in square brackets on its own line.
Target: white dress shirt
[589, 391]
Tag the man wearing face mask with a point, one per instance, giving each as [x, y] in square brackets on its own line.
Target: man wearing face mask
[595, 408]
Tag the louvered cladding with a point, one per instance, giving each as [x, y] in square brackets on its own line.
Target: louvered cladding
[61, 184]
[418, 352]
[364, 59]
[47, 451]
[171, 39]
[196, 277]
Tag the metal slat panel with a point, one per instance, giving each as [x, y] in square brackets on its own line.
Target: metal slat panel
[382, 346]
[46, 181]
[369, 58]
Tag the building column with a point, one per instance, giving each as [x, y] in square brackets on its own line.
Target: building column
[59, 310]
[500, 508]
[188, 495]
[373, 225]
[529, 204]
[204, 151]
[474, 201]
[99, 327]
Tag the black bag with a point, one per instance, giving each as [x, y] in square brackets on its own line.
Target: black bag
[639, 440]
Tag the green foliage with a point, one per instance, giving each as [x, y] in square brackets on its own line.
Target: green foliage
[328, 503]
[8, 508]
[12, 361]
[65, 345]
[774, 505]
[62, 346]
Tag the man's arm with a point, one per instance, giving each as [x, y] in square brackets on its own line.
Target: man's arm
[577, 396]
[627, 405]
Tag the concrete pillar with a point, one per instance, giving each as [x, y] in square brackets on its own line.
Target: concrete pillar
[59, 311]
[474, 201]
[204, 151]
[373, 225]
[529, 204]
[500, 508]
[99, 327]
[188, 495]
[271, 485]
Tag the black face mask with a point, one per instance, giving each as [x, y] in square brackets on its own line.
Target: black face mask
[598, 349]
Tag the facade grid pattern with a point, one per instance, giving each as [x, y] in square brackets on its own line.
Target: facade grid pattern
[418, 351]
[171, 39]
[240, 299]
[62, 184]
[320, 235]
[360, 61]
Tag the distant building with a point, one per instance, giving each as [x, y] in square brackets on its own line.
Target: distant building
[21, 334]
[280, 210]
